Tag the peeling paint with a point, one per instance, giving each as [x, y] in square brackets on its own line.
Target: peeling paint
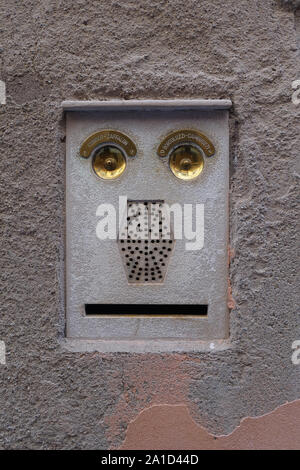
[154, 381]
[172, 427]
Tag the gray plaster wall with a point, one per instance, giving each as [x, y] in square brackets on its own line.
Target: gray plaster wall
[245, 50]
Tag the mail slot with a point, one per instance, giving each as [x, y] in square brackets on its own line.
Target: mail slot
[147, 220]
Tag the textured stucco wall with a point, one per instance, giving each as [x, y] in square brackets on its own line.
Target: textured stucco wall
[84, 49]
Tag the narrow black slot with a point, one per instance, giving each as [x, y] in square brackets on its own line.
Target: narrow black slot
[170, 310]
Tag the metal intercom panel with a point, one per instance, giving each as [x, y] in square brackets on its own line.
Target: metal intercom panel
[147, 219]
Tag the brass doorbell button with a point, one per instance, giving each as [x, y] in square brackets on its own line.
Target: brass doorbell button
[185, 149]
[109, 162]
[109, 149]
[186, 162]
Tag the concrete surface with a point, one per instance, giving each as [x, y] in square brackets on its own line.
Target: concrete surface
[247, 51]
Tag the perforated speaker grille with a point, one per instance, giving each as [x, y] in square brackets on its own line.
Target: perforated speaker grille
[146, 242]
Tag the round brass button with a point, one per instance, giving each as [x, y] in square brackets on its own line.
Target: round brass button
[109, 162]
[186, 162]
